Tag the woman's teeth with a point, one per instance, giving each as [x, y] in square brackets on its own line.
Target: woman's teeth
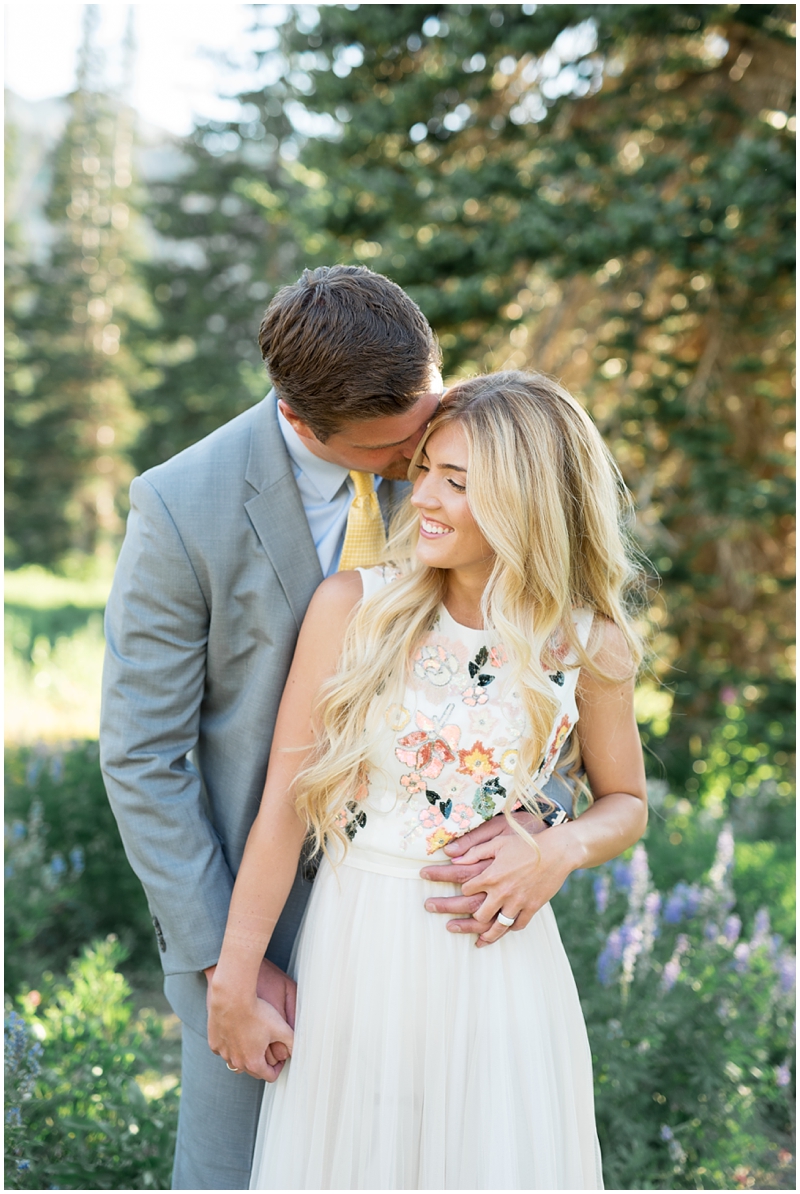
[434, 528]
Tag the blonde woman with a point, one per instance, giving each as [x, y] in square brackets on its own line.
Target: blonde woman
[425, 698]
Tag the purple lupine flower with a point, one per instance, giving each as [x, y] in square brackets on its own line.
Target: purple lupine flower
[673, 966]
[666, 1133]
[640, 878]
[710, 931]
[609, 957]
[732, 929]
[14, 1117]
[621, 871]
[783, 1075]
[787, 971]
[76, 860]
[741, 957]
[633, 941]
[723, 859]
[18, 831]
[671, 972]
[33, 770]
[57, 866]
[601, 886]
[56, 768]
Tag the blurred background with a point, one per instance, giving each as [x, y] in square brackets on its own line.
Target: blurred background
[601, 192]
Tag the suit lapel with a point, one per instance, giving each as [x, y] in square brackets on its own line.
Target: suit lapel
[277, 513]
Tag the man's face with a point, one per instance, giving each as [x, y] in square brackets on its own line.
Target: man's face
[384, 445]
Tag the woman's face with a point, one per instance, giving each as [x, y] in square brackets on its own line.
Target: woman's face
[449, 536]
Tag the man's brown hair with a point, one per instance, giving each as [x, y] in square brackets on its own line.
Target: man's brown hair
[344, 344]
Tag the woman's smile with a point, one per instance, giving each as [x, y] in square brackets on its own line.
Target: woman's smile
[429, 527]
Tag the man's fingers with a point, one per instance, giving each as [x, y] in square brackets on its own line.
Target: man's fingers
[454, 905]
[475, 837]
[291, 1002]
[453, 872]
[491, 935]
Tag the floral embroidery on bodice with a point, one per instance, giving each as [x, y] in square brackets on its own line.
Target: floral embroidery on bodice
[445, 762]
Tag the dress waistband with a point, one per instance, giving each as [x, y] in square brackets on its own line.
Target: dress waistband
[364, 859]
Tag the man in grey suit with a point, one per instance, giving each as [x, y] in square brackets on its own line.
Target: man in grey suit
[225, 546]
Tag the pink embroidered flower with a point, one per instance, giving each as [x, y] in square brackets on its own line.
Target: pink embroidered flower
[435, 664]
[438, 839]
[474, 695]
[482, 721]
[430, 747]
[461, 816]
[477, 762]
[498, 657]
[430, 817]
[413, 784]
[454, 788]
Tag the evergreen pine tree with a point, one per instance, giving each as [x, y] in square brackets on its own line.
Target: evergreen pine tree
[69, 417]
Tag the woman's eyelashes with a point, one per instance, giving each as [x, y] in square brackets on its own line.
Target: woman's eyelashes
[425, 468]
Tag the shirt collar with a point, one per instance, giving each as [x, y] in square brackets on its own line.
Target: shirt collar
[326, 477]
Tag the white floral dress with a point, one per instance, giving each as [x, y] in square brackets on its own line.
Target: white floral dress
[419, 1061]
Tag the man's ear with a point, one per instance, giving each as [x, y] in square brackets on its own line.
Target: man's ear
[296, 423]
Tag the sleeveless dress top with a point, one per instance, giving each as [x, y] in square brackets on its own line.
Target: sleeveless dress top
[445, 762]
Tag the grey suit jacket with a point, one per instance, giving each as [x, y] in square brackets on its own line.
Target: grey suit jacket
[213, 581]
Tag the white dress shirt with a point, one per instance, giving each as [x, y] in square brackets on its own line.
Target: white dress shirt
[326, 491]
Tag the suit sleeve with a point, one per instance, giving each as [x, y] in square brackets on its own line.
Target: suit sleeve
[153, 681]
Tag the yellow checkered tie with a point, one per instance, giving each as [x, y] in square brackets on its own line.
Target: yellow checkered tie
[365, 538]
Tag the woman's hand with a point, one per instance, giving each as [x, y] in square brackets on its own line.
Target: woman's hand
[248, 1032]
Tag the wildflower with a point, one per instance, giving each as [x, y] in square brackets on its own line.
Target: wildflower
[723, 860]
[666, 1133]
[673, 966]
[621, 872]
[14, 1117]
[760, 929]
[640, 878]
[56, 768]
[787, 969]
[601, 887]
[23, 1165]
[57, 866]
[609, 956]
[32, 773]
[9, 870]
[18, 830]
[783, 1075]
[741, 957]
[682, 903]
[732, 929]
[76, 860]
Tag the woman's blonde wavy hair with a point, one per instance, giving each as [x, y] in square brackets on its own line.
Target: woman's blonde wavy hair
[549, 499]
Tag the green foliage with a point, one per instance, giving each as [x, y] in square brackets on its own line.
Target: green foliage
[67, 878]
[80, 1096]
[70, 373]
[604, 192]
[690, 1028]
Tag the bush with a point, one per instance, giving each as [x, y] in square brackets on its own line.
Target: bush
[690, 1027]
[67, 879]
[86, 1106]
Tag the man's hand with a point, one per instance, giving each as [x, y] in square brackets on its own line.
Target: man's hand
[279, 992]
[500, 871]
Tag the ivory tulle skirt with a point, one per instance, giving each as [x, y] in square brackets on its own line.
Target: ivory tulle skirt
[421, 1062]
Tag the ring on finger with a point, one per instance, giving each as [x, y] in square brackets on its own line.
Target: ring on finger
[232, 1068]
[506, 921]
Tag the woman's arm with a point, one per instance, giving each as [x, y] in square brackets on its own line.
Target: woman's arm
[241, 1027]
[517, 882]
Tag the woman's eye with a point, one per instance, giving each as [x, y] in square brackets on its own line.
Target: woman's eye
[458, 488]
